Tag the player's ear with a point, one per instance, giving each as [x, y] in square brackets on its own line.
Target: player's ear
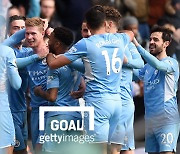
[110, 23]
[107, 26]
[167, 43]
[43, 33]
[57, 44]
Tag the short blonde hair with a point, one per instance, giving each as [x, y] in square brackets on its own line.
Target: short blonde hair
[35, 21]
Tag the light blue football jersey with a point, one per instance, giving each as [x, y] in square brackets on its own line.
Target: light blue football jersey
[102, 56]
[160, 87]
[37, 76]
[8, 74]
[66, 80]
[134, 62]
[24, 57]
[37, 71]
[16, 98]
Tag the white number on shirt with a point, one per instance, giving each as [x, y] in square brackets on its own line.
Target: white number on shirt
[114, 61]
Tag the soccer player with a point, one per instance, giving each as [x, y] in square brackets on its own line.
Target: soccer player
[102, 54]
[34, 34]
[85, 32]
[60, 83]
[160, 76]
[8, 71]
[37, 72]
[132, 60]
[17, 97]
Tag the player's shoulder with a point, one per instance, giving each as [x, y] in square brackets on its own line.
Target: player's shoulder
[171, 60]
[4, 47]
[5, 50]
[122, 35]
[27, 50]
[131, 45]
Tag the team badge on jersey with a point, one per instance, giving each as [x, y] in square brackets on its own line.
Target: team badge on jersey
[44, 61]
[156, 71]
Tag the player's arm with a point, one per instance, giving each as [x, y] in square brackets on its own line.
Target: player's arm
[23, 62]
[12, 71]
[136, 61]
[52, 86]
[49, 95]
[80, 92]
[136, 76]
[56, 62]
[153, 61]
[24, 59]
[15, 38]
[34, 10]
[129, 33]
[78, 65]
[77, 51]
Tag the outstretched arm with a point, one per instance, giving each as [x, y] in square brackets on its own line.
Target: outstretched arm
[153, 61]
[23, 62]
[136, 61]
[129, 33]
[34, 10]
[78, 65]
[77, 51]
[56, 62]
[15, 38]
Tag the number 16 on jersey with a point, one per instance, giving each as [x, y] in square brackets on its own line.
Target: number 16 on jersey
[111, 63]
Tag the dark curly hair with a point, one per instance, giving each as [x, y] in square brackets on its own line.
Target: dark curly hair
[166, 33]
[112, 14]
[64, 35]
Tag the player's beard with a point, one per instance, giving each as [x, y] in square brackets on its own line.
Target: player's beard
[156, 50]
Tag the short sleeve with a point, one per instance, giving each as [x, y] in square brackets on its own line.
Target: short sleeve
[77, 51]
[53, 79]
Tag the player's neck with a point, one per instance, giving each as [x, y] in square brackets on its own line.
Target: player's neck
[99, 31]
[162, 55]
[40, 48]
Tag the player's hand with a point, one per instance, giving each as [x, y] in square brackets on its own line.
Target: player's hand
[125, 60]
[38, 90]
[43, 52]
[135, 42]
[50, 57]
[77, 94]
[45, 23]
[80, 92]
[49, 31]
